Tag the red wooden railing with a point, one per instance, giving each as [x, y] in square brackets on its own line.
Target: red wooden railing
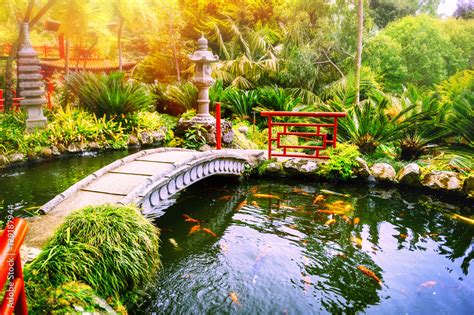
[16, 102]
[276, 137]
[218, 127]
[14, 298]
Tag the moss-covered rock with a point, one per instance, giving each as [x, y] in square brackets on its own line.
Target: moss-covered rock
[442, 180]
[409, 175]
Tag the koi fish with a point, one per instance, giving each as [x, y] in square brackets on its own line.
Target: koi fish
[331, 211]
[462, 218]
[255, 204]
[300, 191]
[254, 189]
[224, 246]
[346, 218]
[208, 231]
[285, 207]
[329, 192]
[357, 241]
[426, 285]
[234, 298]
[241, 205]
[266, 196]
[330, 221]
[356, 220]
[318, 199]
[187, 218]
[307, 282]
[173, 242]
[194, 229]
[403, 236]
[369, 273]
[224, 198]
[338, 203]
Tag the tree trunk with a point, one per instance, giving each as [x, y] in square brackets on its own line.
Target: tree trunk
[8, 86]
[66, 57]
[360, 28]
[119, 41]
[175, 55]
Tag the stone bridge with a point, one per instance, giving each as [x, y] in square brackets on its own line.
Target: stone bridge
[147, 179]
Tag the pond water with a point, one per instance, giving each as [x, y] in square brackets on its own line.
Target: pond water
[303, 254]
[298, 254]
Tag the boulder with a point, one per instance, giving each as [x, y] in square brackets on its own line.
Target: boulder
[132, 141]
[362, 168]
[74, 147]
[93, 146]
[409, 175]
[46, 152]
[468, 187]
[205, 147]
[55, 150]
[158, 136]
[209, 131]
[383, 172]
[146, 138]
[442, 180]
[241, 141]
[32, 155]
[16, 157]
[297, 166]
[61, 148]
[244, 130]
[274, 168]
[3, 160]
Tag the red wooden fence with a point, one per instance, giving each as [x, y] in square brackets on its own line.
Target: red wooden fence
[11, 273]
[312, 134]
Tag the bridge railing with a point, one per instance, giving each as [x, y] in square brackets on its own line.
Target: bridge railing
[14, 297]
[17, 100]
[324, 134]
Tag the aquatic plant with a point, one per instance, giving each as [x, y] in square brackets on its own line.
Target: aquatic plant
[113, 249]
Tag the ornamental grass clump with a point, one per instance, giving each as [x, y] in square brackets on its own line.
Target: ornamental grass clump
[113, 249]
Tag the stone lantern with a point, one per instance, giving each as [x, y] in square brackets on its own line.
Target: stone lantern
[203, 80]
[31, 86]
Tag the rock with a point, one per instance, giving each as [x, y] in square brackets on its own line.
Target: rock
[244, 130]
[442, 180]
[409, 175]
[61, 148]
[16, 157]
[55, 150]
[27, 254]
[32, 155]
[94, 146]
[468, 187]
[3, 160]
[300, 166]
[132, 141]
[241, 141]
[158, 136]
[146, 138]
[205, 147]
[383, 172]
[46, 152]
[274, 168]
[363, 169]
[209, 132]
[74, 147]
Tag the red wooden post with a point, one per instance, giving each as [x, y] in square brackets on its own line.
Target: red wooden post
[61, 46]
[218, 127]
[50, 91]
[269, 137]
[1, 100]
[14, 298]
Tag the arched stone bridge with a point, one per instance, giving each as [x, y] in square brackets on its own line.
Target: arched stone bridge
[146, 179]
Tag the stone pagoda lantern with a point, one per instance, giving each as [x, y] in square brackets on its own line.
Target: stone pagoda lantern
[203, 58]
[31, 86]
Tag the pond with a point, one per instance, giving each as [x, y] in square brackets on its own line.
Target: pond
[287, 246]
[296, 247]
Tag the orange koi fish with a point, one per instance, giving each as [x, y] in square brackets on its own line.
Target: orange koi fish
[357, 241]
[234, 298]
[194, 229]
[224, 198]
[266, 196]
[187, 218]
[338, 203]
[254, 189]
[330, 221]
[331, 211]
[208, 231]
[285, 207]
[346, 218]
[462, 218]
[356, 220]
[369, 273]
[426, 285]
[300, 191]
[329, 192]
[255, 204]
[318, 199]
[403, 236]
[241, 205]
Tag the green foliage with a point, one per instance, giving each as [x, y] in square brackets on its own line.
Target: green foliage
[183, 95]
[341, 162]
[109, 95]
[274, 98]
[194, 137]
[113, 249]
[240, 102]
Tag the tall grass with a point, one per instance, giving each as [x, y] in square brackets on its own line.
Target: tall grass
[114, 249]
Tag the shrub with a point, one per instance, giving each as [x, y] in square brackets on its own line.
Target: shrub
[194, 137]
[109, 95]
[241, 103]
[341, 162]
[113, 249]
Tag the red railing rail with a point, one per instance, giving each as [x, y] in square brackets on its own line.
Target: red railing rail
[276, 137]
[14, 297]
[16, 102]
[218, 127]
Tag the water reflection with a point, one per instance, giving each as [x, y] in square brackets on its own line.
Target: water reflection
[298, 254]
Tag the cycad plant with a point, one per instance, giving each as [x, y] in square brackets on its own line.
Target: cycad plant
[109, 95]
[275, 98]
[240, 102]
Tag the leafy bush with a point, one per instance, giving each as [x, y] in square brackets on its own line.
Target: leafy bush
[341, 162]
[183, 95]
[114, 249]
[194, 137]
[109, 95]
[275, 98]
[241, 103]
